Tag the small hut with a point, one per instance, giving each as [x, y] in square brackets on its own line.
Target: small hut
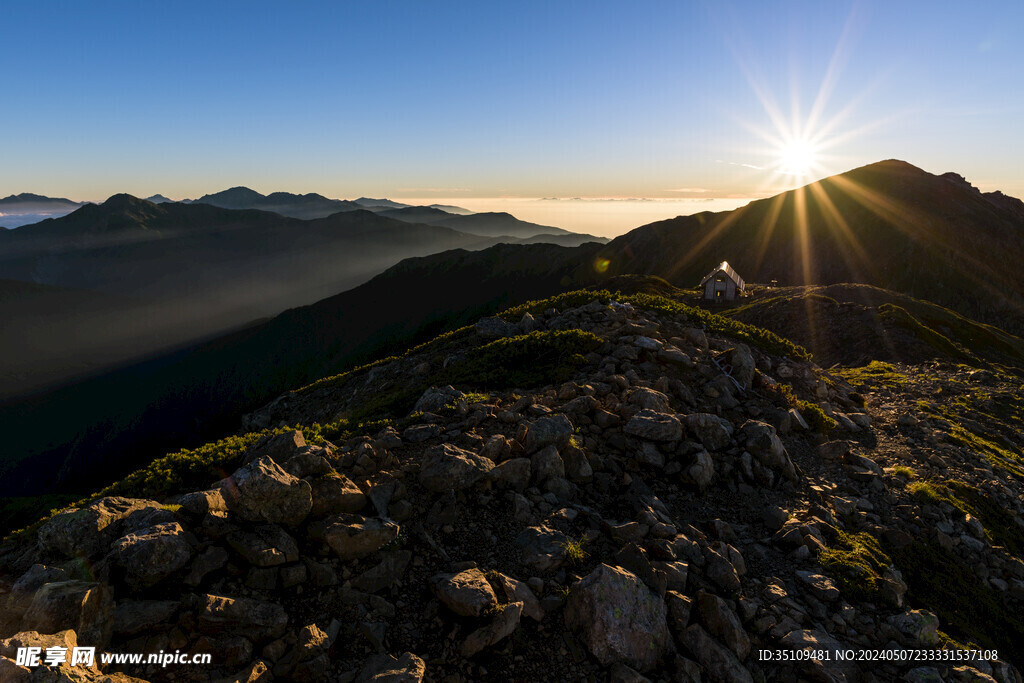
[722, 284]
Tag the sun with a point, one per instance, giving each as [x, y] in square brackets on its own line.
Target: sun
[797, 158]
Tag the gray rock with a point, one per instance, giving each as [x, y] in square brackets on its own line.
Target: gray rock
[151, 556]
[702, 471]
[514, 474]
[718, 662]
[254, 619]
[821, 587]
[263, 492]
[466, 593]
[352, 537]
[502, 626]
[543, 547]
[335, 493]
[209, 560]
[494, 328]
[267, 545]
[555, 430]
[654, 426]
[387, 669]
[715, 433]
[517, 591]
[449, 468]
[919, 626]
[547, 463]
[436, 398]
[649, 399]
[86, 608]
[89, 531]
[618, 618]
[720, 571]
[722, 622]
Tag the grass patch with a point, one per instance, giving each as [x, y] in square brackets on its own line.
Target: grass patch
[904, 471]
[856, 562]
[901, 318]
[876, 374]
[815, 417]
[968, 610]
[575, 553]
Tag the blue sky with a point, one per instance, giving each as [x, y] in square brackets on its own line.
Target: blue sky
[480, 99]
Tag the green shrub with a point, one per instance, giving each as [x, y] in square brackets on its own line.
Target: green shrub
[856, 562]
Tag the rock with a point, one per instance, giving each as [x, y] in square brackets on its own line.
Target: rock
[774, 517]
[648, 399]
[715, 433]
[436, 398]
[718, 662]
[89, 531]
[387, 669]
[513, 474]
[209, 560]
[449, 468]
[546, 463]
[548, 431]
[466, 593]
[543, 547]
[618, 618]
[764, 444]
[722, 622]
[36, 577]
[923, 674]
[389, 570]
[919, 626]
[132, 617]
[352, 537]
[86, 608]
[702, 471]
[679, 609]
[202, 503]
[10, 672]
[494, 328]
[151, 556]
[267, 545]
[278, 447]
[517, 591]
[654, 426]
[254, 619]
[262, 492]
[721, 571]
[797, 421]
[814, 640]
[822, 587]
[742, 362]
[497, 449]
[502, 625]
[335, 493]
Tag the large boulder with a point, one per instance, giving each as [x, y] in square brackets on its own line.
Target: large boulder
[714, 432]
[447, 467]
[720, 664]
[352, 537]
[254, 619]
[466, 593]
[132, 617]
[618, 618]
[334, 493]
[513, 473]
[722, 622]
[89, 531]
[85, 607]
[504, 623]
[654, 426]
[555, 430]
[649, 399]
[263, 492]
[743, 365]
[267, 545]
[436, 398]
[151, 555]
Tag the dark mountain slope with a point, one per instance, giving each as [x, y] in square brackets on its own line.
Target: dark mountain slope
[139, 412]
[497, 223]
[889, 224]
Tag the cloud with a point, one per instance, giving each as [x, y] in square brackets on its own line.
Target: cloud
[690, 190]
[733, 163]
[433, 189]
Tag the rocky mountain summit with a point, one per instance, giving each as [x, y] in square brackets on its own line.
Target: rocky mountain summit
[593, 487]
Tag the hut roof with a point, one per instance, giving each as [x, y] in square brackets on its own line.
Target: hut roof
[729, 272]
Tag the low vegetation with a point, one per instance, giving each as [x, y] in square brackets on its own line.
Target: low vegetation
[856, 562]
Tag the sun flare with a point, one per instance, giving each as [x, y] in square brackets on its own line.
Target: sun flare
[797, 158]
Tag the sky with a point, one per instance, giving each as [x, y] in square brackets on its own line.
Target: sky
[502, 104]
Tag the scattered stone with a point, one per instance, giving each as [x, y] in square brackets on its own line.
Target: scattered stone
[466, 593]
[447, 467]
[407, 668]
[352, 537]
[502, 625]
[654, 426]
[262, 492]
